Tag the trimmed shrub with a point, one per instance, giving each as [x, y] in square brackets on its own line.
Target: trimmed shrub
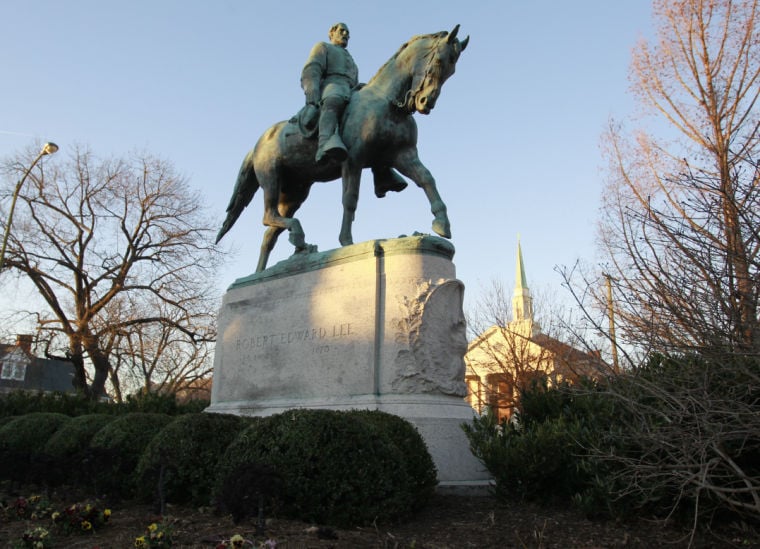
[28, 402]
[66, 452]
[335, 468]
[184, 456]
[246, 492]
[417, 460]
[116, 449]
[21, 442]
[542, 456]
[161, 403]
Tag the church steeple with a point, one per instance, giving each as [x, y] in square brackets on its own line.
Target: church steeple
[522, 302]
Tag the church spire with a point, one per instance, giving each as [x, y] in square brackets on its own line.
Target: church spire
[522, 302]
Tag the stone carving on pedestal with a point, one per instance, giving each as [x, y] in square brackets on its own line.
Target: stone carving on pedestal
[433, 331]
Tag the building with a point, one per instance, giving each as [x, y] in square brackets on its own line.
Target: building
[22, 370]
[505, 358]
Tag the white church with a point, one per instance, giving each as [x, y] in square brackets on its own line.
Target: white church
[503, 359]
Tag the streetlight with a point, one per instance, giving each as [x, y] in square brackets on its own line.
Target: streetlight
[47, 148]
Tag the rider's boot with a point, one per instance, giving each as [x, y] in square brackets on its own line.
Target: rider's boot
[331, 147]
[387, 179]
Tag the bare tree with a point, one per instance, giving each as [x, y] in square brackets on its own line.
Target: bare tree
[681, 230]
[112, 246]
[680, 223]
[158, 358]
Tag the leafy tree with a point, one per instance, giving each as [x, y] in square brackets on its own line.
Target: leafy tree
[114, 247]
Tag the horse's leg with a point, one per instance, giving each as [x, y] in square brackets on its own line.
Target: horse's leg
[408, 163]
[352, 173]
[277, 218]
[267, 245]
[286, 211]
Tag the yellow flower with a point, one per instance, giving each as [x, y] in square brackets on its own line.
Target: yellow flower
[153, 527]
[55, 515]
[237, 540]
[86, 525]
[140, 542]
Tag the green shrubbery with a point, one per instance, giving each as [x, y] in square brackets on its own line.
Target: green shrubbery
[539, 455]
[417, 460]
[21, 440]
[65, 454]
[116, 449]
[17, 403]
[678, 438]
[338, 468]
[335, 467]
[179, 464]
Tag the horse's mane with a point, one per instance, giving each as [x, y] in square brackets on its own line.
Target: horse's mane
[413, 39]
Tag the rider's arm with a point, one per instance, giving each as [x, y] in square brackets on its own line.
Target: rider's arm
[313, 72]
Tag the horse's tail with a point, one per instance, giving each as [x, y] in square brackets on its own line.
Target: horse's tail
[246, 186]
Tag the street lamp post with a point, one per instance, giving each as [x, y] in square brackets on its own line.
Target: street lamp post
[47, 148]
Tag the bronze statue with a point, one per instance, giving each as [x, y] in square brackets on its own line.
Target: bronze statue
[378, 131]
[327, 79]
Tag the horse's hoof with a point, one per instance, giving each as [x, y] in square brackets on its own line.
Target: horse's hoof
[307, 249]
[442, 228]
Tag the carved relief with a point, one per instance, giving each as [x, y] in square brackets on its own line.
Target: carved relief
[433, 341]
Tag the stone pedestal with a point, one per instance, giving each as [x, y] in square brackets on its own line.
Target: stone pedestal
[377, 325]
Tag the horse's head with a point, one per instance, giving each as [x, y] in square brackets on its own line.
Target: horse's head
[434, 60]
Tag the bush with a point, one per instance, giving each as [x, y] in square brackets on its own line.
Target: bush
[116, 449]
[184, 455]
[21, 441]
[17, 403]
[161, 403]
[335, 468]
[687, 444]
[541, 455]
[66, 452]
[418, 463]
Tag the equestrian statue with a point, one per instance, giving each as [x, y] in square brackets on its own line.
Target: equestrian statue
[343, 128]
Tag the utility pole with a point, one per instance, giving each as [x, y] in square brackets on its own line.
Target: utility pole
[611, 314]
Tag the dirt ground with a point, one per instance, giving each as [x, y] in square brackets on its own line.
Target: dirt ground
[448, 522]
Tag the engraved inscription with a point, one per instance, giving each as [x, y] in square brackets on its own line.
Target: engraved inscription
[307, 335]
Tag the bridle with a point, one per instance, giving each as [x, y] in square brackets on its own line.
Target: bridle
[432, 69]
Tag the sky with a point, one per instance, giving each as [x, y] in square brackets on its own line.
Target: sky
[513, 142]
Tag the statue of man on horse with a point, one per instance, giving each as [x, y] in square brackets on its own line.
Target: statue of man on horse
[359, 127]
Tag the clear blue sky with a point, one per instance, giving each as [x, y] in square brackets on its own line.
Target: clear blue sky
[513, 141]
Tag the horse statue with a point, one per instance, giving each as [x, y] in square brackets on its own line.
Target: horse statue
[379, 133]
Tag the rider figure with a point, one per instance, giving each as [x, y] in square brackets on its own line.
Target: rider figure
[327, 79]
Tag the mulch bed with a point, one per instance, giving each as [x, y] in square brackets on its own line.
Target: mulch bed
[449, 521]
